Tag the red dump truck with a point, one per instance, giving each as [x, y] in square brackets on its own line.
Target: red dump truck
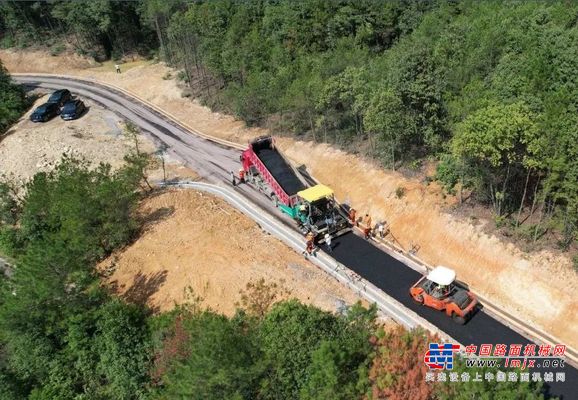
[313, 208]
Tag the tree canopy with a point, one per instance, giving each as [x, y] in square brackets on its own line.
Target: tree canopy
[12, 101]
[405, 80]
[488, 89]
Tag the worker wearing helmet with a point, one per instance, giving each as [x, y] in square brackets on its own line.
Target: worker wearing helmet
[381, 229]
[241, 175]
[310, 237]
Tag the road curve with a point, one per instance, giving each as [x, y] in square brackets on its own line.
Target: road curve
[214, 163]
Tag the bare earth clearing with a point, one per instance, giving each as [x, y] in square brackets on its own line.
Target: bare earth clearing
[97, 137]
[197, 241]
[527, 284]
[30, 147]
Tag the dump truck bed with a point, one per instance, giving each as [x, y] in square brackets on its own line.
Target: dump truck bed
[283, 173]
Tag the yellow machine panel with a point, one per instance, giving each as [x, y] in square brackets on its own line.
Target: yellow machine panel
[315, 193]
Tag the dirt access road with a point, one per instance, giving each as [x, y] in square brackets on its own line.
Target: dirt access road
[215, 163]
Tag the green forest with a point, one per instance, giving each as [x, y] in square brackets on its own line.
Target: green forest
[486, 89]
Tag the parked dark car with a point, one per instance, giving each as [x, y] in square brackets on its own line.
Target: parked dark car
[45, 112]
[60, 97]
[72, 110]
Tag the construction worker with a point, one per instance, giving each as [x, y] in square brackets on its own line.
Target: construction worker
[241, 175]
[352, 216]
[233, 178]
[309, 240]
[367, 227]
[327, 238]
[310, 237]
[381, 229]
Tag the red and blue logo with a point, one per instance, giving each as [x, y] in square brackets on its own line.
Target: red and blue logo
[441, 355]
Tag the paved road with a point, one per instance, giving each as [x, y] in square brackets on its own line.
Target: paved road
[394, 278]
[214, 163]
[211, 161]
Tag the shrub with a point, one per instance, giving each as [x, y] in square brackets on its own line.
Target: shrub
[415, 165]
[446, 173]
[7, 42]
[500, 221]
[56, 50]
[400, 192]
[181, 76]
[116, 55]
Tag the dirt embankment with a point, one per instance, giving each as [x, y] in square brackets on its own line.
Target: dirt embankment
[195, 240]
[527, 284]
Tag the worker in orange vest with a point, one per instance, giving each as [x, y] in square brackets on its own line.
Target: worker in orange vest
[367, 228]
[241, 175]
[352, 216]
[309, 240]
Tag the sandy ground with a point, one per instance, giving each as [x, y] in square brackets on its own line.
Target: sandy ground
[28, 147]
[195, 240]
[527, 284]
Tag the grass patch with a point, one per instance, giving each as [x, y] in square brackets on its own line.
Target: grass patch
[400, 192]
[57, 49]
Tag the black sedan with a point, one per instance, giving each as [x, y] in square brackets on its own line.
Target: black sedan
[72, 110]
[60, 97]
[45, 112]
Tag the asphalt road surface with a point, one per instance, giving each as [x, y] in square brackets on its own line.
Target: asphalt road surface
[395, 278]
[214, 163]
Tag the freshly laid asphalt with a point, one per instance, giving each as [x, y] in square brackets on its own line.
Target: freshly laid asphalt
[395, 278]
[215, 162]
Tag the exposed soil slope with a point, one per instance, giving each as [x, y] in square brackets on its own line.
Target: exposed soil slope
[195, 240]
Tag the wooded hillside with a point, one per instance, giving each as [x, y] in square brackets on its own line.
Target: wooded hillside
[487, 88]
